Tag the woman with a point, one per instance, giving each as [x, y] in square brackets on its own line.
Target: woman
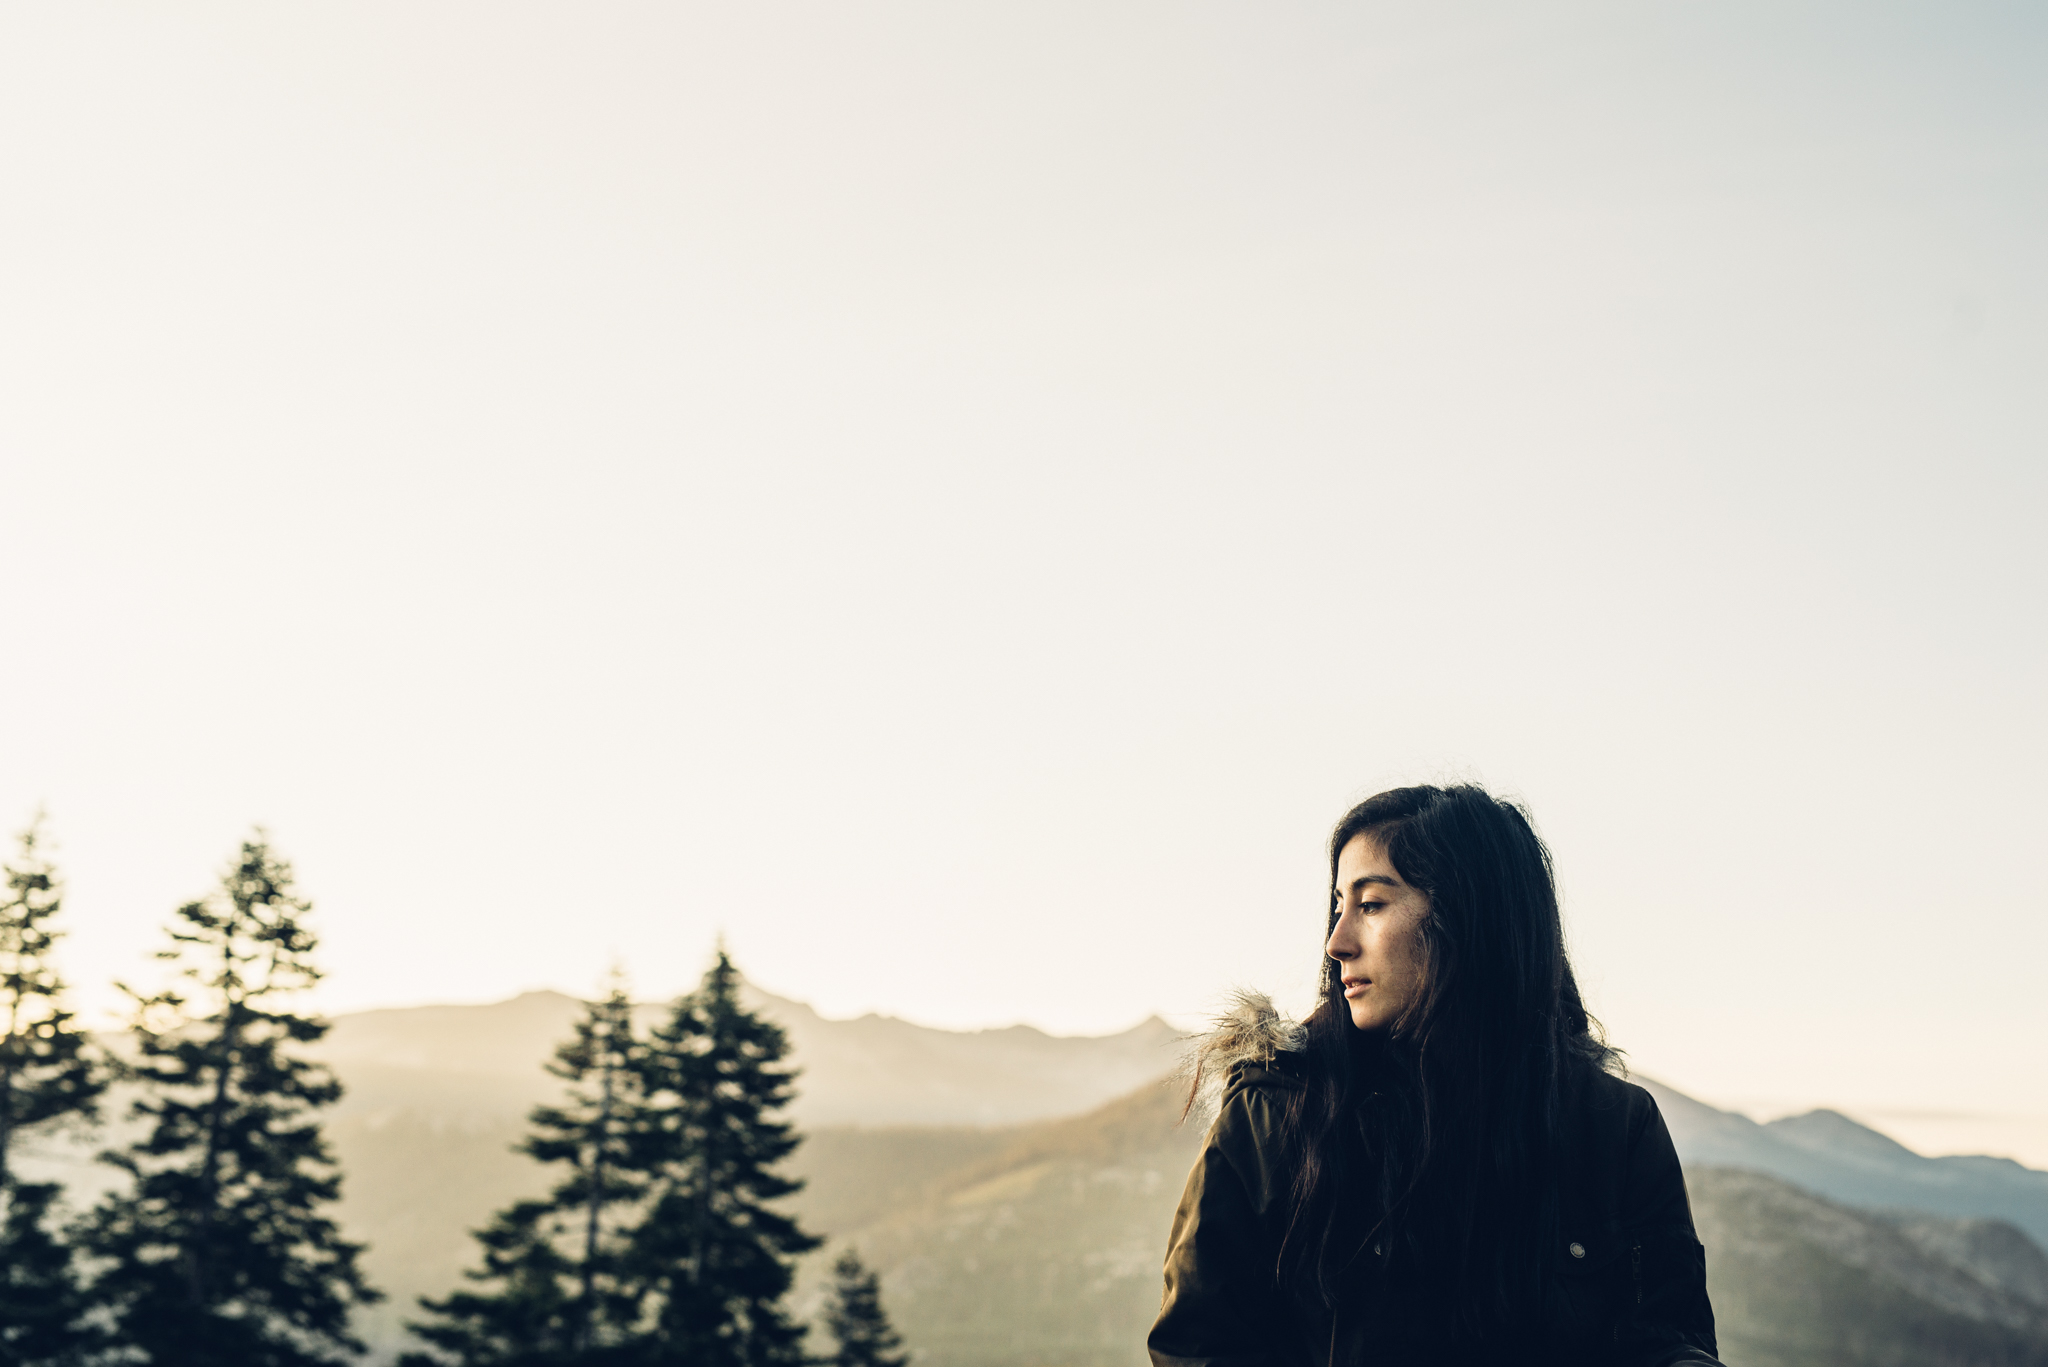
[1436, 1167]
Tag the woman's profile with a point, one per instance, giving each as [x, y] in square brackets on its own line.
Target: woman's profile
[1437, 1166]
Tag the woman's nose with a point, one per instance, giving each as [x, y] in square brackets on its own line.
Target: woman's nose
[1340, 945]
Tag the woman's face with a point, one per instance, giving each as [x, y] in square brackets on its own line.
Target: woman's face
[1377, 941]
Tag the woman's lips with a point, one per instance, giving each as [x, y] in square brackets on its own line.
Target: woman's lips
[1355, 986]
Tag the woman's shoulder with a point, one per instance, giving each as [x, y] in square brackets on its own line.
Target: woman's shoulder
[1249, 1051]
[1621, 1163]
[1605, 1089]
[1269, 1079]
[1607, 1092]
[1608, 1115]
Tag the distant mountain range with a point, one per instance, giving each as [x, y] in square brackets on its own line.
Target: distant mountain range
[1830, 1154]
[1015, 1189]
[476, 1063]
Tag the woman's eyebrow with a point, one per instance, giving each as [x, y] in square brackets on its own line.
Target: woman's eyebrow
[1365, 878]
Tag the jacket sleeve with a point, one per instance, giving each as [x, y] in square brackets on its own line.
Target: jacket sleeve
[1221, 1307]
[1673, 1322]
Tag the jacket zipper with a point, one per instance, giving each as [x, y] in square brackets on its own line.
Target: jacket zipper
[1635, 1270]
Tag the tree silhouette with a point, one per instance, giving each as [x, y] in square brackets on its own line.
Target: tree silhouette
[46, 1078]
[218, 1253]
[714, 1255]
[857, 1320]
[561, 1296]
[45, 1074]
[660, 1246]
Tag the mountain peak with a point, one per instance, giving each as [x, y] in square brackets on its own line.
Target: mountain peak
[1835, 1134]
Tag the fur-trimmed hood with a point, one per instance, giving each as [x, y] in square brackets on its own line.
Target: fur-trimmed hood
[1251, 1031]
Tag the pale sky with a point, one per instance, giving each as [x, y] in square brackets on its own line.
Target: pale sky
[960, 497]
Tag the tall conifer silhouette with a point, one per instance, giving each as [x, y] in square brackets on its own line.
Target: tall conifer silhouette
[661, 1245]
[217, 1253]
[561, 1297]
[47, 1077]
[714, 1254]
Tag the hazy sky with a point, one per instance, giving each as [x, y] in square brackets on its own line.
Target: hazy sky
[961, 496]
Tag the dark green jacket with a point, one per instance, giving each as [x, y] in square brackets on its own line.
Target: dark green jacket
[1630, 1271]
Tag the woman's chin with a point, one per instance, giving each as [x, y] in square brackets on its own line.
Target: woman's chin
[1367, 1021]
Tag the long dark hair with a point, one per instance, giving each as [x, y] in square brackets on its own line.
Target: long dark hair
[1436, 1144]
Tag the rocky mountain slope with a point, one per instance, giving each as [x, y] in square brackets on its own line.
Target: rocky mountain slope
[1044, 1252]
[1801, 1281]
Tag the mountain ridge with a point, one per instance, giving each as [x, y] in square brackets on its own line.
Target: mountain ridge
[871, 1069]
[1830, 1154]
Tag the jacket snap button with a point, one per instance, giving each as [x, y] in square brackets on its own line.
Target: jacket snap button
[1578, 1250]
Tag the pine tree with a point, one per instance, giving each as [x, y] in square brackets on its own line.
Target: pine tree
[714, 1257]
[660, 1247]
[45, 1074]
[218, 1253]
[857, 1320]
[561, 1298]
[47, 1078]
